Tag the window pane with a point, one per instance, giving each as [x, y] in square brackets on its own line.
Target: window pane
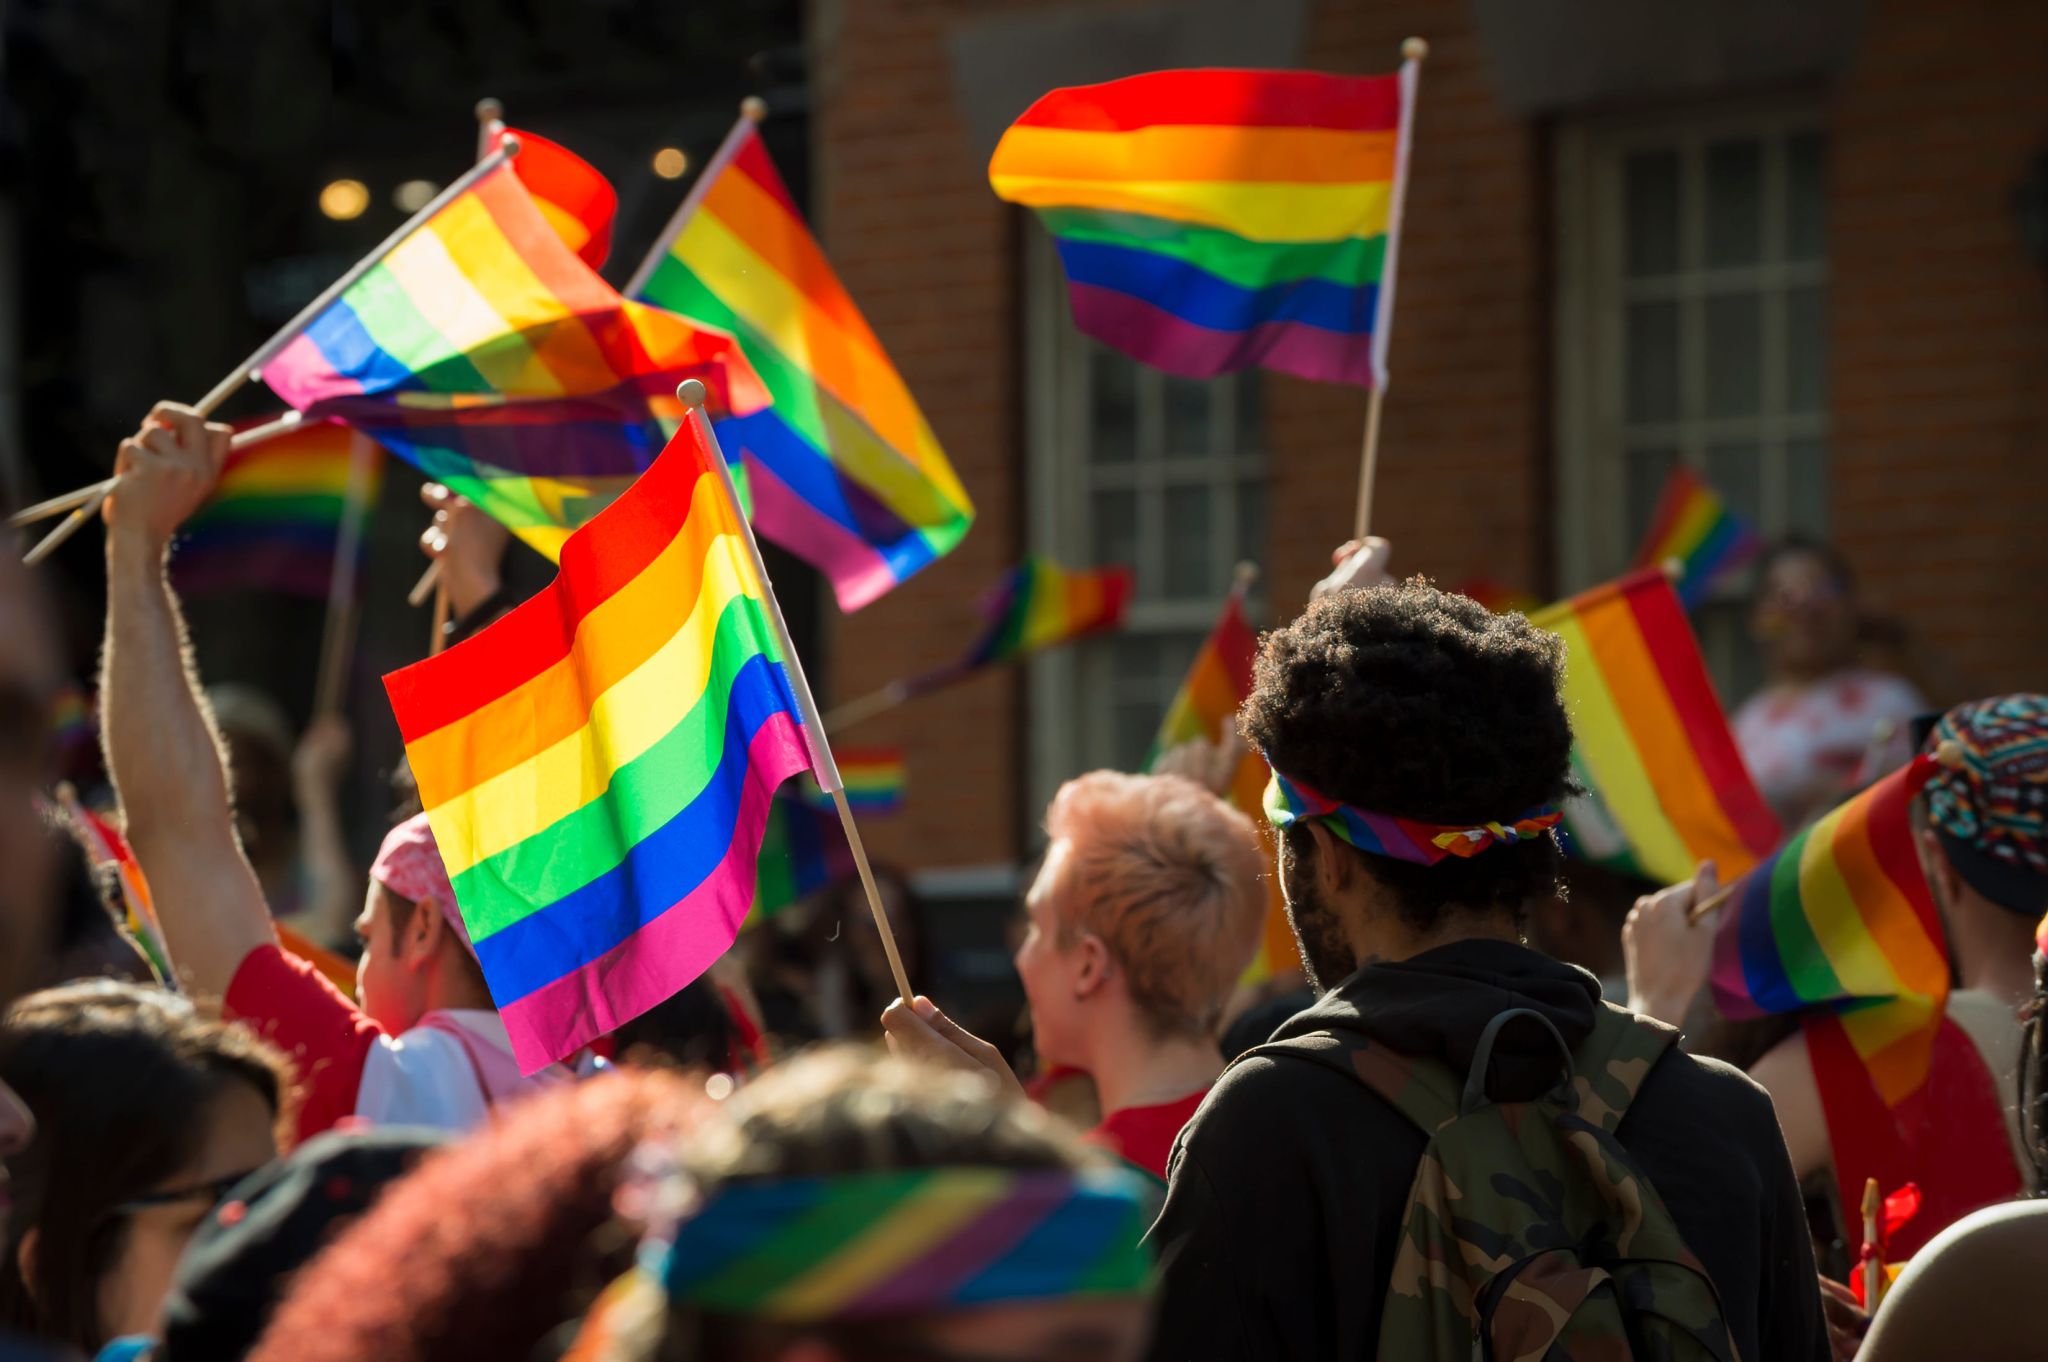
[1115, 525]
[1650, 199]
[1806, 349]
[1734, 203]
[1806, 486]
[1735, 469]
[1189, 570]
[1734, 370]
[1646, 470]
[1113, 422]
[1187, 417]
[1251, 415]
[1651, 354]
[1251, 522]
[1805, 197]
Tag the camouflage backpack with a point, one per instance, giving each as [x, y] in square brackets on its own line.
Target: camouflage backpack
[1530, 1233]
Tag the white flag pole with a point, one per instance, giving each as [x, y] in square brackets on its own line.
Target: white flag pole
[1412, 51]
[692, 393]
[752, 110]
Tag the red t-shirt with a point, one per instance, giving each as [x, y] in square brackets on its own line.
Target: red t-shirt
[1143, 1136]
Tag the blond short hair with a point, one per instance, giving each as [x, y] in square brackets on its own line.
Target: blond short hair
[1167, 875]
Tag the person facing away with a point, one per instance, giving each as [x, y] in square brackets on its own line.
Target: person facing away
[1822, 725]
[425, 1046]
[1283, 1226]
[1981, 832]
[147, 1111]
[1143, 916]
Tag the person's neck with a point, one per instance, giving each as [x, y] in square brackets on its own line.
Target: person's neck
[1379, 938]
[1994, 949]
[458, 994]
[1132, 1067]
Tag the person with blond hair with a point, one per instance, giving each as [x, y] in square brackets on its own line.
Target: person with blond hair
[1143, 916]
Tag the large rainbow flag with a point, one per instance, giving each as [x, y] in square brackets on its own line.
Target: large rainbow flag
[1693, 526]
[274, 520]
[1210, 221]
[1650, 739]
[841, 470]
[598, 765]
[482, 350]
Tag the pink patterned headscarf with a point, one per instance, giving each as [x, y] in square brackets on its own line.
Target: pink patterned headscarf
[409, 865]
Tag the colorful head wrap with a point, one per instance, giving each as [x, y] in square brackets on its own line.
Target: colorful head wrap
[1403, 839]
[1991, 812]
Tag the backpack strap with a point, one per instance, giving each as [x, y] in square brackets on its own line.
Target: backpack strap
[1610, 1065]
[1425, 1092]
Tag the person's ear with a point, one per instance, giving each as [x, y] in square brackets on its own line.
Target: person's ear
[25, 1259]
[1941, 875]
[1333, 868]
[423, 933]
[1092, 966]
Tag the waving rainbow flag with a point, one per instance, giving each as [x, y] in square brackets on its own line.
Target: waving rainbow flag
[572, 195]
[598, 765]
[1210, 221]
[1650, 740]
[484, 351]
[1040, 604]
[274, 520]
[1695, 527]
[841, 470]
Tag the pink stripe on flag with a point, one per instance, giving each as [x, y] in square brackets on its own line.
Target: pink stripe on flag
[648, 967]
[859, 574]
[302, 375]
[1158, 338]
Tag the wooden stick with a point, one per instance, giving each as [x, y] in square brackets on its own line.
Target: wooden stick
[1368, 463]
[490, 121]
[1872, 1264]
[43, 510]
[425, 585]
[71, 525]
[441, 608]
[1711, 902]
[823, 767]
[337, 634]
[752, 110]
[867, 707]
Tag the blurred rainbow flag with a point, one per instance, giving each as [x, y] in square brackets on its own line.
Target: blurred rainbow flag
[107, 849]
[1501, 600]
[1695, 528]
[803, 849]
[481, 349]
[274, 520]
[841, 469]
[1040, 604]
[1651, 743]
[575, 199]
[1216, 220]
[875, 780]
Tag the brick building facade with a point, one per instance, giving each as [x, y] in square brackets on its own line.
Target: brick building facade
[1851, 327]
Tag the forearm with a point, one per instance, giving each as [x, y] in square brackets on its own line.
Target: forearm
[165, 763]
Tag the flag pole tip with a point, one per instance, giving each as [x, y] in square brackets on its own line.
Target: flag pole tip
[509, 144]
[489, 110]
[1674, 569]
[1950, 754]
[690, 392]
[753, 108]
[1415, 49]
[1247, 573]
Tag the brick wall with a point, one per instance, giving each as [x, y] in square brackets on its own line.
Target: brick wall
[1940, 335]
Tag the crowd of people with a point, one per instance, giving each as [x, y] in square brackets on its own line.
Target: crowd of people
[1436, 1141]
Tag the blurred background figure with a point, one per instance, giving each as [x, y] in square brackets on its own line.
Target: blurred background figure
[1823, 723]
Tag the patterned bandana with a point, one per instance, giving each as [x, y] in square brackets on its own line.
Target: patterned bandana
[1403, 839]
[1991, 813]
[409, 865]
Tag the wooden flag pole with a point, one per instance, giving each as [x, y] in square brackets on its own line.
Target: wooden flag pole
[338, 634]
[439, 638]
[823, 767]
[289, 332]
[1413, 51]
[43, 510]
[752, 110]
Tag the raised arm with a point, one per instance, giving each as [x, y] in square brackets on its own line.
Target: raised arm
[161, 748]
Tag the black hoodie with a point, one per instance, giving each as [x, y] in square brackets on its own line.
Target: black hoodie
[1285, 1192]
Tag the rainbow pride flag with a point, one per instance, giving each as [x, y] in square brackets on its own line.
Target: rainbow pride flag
[486, 353]
[274, 520]
[875, 780]
[841, 469]
[108, 850]
[598, 765]
[1695, 527]
[1501, 600]
[803, 849]
[572, 195]
[1210, 221]
[1040, 604]
[1841, 918]
[1650, 739]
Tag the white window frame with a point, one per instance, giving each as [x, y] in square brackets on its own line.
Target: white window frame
[1593, 538]
[1059, 481]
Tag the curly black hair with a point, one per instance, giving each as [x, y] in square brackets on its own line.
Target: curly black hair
[1417, 703]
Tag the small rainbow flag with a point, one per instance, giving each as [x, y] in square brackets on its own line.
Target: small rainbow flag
[803, 849]
[1694, 526]
[841, 469]
[274, 520]
[874, 778]
[1040, 604]
[483, 351]
[574, 197]
[106, 848]
[1214, 220]
[1650, 739]
[1501, 600]
[598, 765]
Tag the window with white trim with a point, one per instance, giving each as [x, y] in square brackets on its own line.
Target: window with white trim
[1692, 307]
[1131, 465]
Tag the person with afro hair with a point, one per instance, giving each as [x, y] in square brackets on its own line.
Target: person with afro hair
[1401, 722]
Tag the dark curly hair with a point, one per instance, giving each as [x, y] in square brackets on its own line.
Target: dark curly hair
[1417, 703]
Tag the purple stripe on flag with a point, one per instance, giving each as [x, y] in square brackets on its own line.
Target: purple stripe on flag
[1158, 338]
[859, 573]
[946, 1266]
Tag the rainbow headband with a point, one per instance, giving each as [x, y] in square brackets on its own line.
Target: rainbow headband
[1403, 839]
[907, 1242]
